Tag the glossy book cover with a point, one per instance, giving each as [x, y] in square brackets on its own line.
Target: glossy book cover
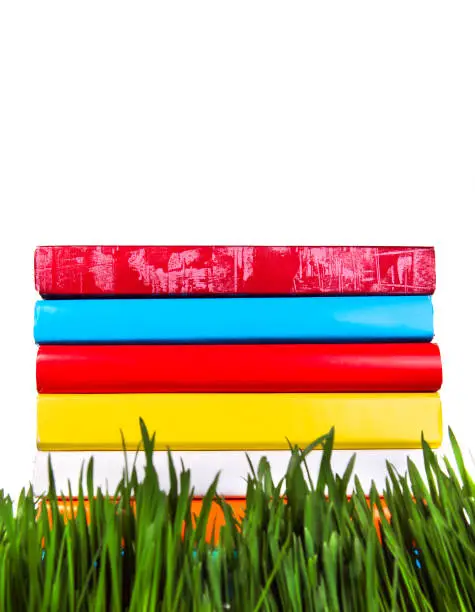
[273, 368]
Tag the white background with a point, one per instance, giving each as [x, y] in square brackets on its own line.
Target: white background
[234, 122]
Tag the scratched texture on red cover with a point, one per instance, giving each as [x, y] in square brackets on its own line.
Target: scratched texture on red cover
[233, 270]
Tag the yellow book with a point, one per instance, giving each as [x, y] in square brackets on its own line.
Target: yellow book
[237, 421]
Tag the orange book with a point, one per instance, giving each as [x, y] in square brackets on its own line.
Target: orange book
[69, 507]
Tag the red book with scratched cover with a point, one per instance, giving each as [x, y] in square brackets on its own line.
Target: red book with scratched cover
[276, 368]
[96, 271]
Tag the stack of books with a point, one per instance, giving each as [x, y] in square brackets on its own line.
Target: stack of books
[224, 351]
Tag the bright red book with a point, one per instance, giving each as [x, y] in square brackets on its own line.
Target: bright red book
[280, 368]
[233, 270]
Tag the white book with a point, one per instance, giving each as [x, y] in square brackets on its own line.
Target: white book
[233, 467]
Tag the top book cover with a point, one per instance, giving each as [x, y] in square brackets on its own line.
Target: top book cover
[95, 271]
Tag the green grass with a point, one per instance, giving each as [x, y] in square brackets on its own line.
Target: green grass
[317, 551]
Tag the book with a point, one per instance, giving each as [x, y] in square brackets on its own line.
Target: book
[237, 421]
[233, 466]
[233, 270]
[240, 368]
[216, 520]
[235, 320]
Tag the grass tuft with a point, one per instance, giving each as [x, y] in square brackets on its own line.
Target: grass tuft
[302, 544]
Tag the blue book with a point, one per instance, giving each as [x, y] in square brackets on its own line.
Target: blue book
[235, 320]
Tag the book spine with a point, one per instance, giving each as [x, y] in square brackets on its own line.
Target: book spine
[235, 320]
[233, 270]
[110, 466]
[237, 421]
[398, 367]
[216, 518]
